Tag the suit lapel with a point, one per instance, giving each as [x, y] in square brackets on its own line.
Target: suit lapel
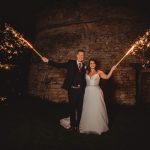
[83, 67]
[76, 66]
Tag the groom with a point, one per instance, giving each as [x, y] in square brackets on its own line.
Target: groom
[75, 84]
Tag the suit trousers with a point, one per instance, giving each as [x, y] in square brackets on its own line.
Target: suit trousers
[76, 103]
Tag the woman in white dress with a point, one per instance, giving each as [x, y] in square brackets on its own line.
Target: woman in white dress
[94, 117]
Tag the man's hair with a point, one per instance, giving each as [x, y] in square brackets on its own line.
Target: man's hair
[80, 50]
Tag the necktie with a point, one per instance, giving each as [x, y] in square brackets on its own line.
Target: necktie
[80, 66]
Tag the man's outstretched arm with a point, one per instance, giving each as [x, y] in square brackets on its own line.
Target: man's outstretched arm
[55, 64]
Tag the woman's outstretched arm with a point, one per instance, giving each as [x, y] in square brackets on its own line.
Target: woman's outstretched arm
[106, 76]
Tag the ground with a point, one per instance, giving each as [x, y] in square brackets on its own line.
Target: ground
[31, 123]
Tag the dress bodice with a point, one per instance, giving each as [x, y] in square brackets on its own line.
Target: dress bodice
[93, 80]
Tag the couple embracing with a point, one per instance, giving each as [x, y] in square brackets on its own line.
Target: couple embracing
[88, 112]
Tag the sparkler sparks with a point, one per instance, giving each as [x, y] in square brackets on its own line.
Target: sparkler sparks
[2, 99]
[12, 43]
[21, 41]
[6, 66]
[140, 48]
[9, 47]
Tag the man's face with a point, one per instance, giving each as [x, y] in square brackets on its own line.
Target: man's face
[80, 56]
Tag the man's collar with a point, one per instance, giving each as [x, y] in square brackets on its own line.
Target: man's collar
[79, 62]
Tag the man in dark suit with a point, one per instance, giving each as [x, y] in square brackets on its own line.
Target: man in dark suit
[75, 84]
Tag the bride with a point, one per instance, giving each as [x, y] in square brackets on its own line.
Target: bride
[94, 117]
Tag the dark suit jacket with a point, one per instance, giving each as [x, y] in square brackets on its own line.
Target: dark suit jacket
[71, 67]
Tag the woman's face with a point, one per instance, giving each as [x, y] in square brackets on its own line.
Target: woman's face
[92, 64]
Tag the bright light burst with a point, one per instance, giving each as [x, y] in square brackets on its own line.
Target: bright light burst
[2, 99]
[6, 66]
[140, 48]
[20, 40]
[10, 48]
[11, 44]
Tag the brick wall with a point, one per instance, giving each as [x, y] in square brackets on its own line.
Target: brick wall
[105, 32]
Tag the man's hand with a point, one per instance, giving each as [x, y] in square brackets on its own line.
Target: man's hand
[44, 59]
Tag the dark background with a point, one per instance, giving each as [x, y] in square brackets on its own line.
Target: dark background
[21, 14]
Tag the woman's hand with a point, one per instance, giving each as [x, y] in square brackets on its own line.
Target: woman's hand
[113, 67]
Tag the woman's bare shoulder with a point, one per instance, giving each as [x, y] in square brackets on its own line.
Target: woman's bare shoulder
[99, 71]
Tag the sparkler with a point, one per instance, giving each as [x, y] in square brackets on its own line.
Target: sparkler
[20, 39]
[128, 52]
[141, 44]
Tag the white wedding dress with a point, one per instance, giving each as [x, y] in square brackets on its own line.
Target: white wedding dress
[94, 117]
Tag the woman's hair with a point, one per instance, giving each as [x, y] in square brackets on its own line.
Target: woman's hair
[88, 67]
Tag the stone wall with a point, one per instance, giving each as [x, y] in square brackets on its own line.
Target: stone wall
[144, 90]
[103, 30]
